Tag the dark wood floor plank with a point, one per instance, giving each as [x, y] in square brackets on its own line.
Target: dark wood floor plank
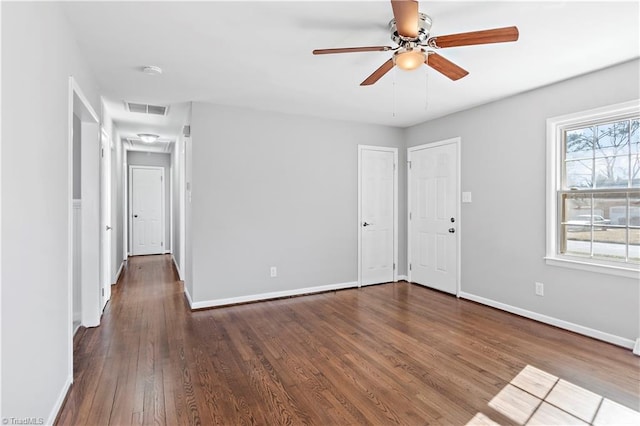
[386, 354]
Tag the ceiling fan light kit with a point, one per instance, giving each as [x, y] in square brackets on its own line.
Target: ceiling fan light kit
[409, 59]
[411, 31]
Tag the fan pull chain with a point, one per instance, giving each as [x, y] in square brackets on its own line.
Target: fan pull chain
[426, 91]
[393, 113]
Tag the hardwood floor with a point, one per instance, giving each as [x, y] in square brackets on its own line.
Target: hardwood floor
[387, 354]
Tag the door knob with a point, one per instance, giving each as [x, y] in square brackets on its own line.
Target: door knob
[135, 215]
[367, 224]
[452, 230]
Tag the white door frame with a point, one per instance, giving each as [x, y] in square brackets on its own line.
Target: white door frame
[105, 218]
[395, 207]
[458, 227]
[163, 201]
[90, 261]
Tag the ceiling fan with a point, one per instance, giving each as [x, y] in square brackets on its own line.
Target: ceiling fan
[410, 31]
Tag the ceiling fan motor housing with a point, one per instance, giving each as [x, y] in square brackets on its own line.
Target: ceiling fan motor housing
[424, 28]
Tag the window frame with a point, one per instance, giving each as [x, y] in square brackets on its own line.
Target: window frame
[554, 176]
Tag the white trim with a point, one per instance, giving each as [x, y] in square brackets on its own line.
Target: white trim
[592, 265]
[189, 299]
[163, 202]
[267, 296]
[402, 278]
[177, 267]
[74, 90]
[555, 127]
[120, 269]
[636, 347]
[60, 400]
[170, 178]
[395, 207]
[580, 329]
[458, 143]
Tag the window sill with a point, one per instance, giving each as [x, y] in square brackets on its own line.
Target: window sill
[628, 271]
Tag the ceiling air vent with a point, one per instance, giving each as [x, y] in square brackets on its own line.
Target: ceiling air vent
[147, 109]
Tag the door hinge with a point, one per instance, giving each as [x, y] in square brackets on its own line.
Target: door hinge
[409, 266]
[103, 292]
[161, 244]
[160, 178]
[410, 216]
[409, 162]
[394, 167]
[394, 266]
[102, 152]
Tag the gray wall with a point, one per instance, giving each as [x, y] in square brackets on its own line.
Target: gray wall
[136, 158]
[503, 240]
[35, 154]
[279, 190]
[118, 165]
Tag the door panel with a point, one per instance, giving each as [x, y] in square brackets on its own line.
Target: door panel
[147, 205]
[433, 202]
[377, 214]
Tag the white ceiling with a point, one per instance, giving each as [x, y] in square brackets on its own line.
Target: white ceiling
[258, 54]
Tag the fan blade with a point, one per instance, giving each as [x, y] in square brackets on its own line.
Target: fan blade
[377, 74]
[445, 66]
[352, 49]
[405, 13]
[497, 35]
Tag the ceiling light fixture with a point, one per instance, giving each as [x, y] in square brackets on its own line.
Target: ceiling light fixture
[410, 58]
[148, 137]
[152, 70]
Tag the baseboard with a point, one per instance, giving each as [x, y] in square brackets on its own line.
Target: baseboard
[271, 295]
[60, 401]
[177, 268]
[188, 296]
[580, 329]
[120, 269]
[636, 347]
[402, 277]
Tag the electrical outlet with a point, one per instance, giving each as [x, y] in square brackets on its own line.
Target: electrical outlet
[274, 272]
[539, 289]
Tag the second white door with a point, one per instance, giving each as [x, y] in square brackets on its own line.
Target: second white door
[378, 211]
[147, 210]
[433, 215]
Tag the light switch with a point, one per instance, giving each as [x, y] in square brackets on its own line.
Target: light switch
[466, 197]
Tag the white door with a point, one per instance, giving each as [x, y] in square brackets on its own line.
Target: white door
[147, 210]
[378, 213]
[433, 215]
[105, 219]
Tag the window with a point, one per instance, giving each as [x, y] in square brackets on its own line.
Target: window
[593, 189]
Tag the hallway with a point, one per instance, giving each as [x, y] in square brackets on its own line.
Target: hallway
[392, 353]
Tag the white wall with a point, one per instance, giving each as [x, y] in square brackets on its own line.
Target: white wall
[38, 56]
[118, 165]
[503, 240]
[178, 182]
[136, 158]
[278, 190]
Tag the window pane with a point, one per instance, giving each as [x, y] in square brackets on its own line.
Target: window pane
[635, 153]
[612, 138]
[609, 226]
[579, 174]
[612, 172]
[634, 245]
[576, 224]
[635, 136]
[579, 143]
